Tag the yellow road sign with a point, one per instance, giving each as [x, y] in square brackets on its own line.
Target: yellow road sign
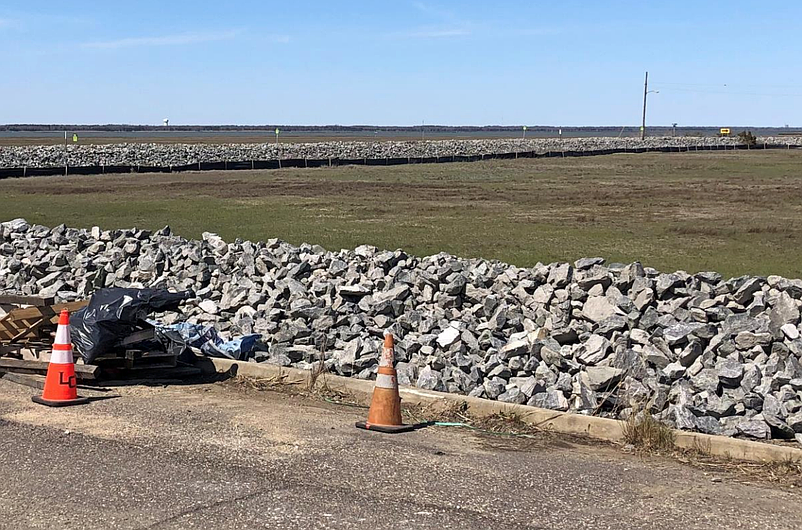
[724, 131]
[75, 138]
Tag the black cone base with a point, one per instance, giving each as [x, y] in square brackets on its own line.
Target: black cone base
[60, 403]
[387, 429]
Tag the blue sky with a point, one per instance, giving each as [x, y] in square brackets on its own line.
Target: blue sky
[401, 62]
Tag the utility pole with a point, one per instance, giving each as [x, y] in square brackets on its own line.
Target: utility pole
[643, 122]
[66, 158]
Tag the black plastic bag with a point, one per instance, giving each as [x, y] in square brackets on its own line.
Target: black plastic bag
[113, 314]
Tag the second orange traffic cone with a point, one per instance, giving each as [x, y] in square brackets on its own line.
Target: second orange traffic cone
[61, 386]
[385, 406]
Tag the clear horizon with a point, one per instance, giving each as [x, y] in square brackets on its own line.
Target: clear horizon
[380, 126]
[440, 62]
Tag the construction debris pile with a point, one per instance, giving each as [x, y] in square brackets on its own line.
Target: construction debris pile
[698, 351]
[179, 154]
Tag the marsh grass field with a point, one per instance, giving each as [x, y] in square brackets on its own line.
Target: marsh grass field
[733, 212]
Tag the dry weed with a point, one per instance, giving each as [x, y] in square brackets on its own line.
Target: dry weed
[646, 433]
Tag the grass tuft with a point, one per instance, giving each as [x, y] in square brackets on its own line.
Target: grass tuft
[646, 433]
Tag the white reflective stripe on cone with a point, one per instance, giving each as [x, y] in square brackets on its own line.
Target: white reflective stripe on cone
[387, 357]
[61, 356]
[385, 381]
[62, 335]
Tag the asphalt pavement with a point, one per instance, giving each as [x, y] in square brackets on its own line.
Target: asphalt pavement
[215, 456]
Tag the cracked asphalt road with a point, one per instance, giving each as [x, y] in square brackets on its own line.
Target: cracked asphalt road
[213, 456]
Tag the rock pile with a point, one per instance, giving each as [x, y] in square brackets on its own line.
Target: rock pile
[697, 351]
[179, 154]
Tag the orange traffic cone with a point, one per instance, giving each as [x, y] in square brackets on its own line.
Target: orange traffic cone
[61, 386]
[385, 406]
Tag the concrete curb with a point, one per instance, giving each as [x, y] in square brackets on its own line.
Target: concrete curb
[559, 422]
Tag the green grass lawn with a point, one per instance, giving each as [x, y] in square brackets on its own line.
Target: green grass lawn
[733, 212]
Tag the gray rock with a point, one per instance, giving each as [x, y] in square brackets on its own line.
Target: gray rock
[494, 387]
[655, 356]
[778, 428]
[598, 308]
[354, 290]
[737, 323]
[730, 372]
[706, 380]
[513, 395]
[601, 377]
[707, 425]
[595, 276]
[784, 310]
[448, 337]
[794, 421]
[429, 379]
[514, 348]
[674, 370]
[613, 323]
[667, 282]
[790, 331]
[551, 399]
[755, 427]
[746, 340]
[679, 333]
[560, 275]
[587, 263]
[744, 294]
[682, 418]
[208, 306]
[543, 294]
[593, 350]
[406, 374]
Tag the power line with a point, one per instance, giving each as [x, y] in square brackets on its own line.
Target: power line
[727, 92]
[728, 85]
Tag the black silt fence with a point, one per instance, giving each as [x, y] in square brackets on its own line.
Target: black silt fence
[43, 171]
[186, 167]
[317, 162]
[212, 166]
[119, 169]
[265, 164]
[293, 162]
[12, 172]
[353, 161]
[153, 169]
[86, 170]
[239, 165]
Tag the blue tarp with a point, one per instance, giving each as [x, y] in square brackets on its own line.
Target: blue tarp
[209, 342]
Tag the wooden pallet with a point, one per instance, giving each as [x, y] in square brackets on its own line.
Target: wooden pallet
[82, 371]
[137, 360]
[127, 356]
[32, 323]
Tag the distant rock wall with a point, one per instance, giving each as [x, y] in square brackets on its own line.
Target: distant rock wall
[180, 154]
